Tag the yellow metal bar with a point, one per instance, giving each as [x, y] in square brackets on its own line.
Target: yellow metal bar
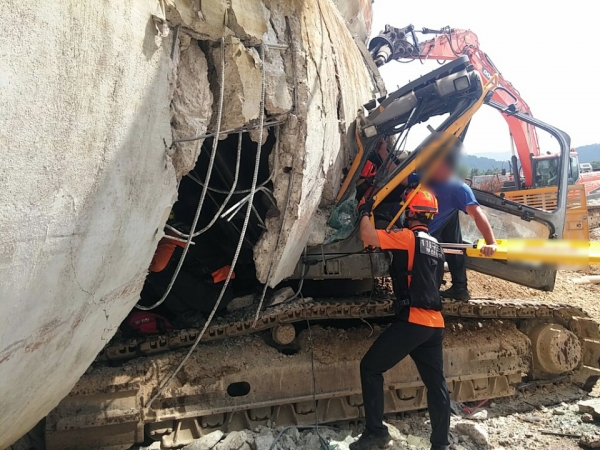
[553, 251]
[354, 166]
[425, 154]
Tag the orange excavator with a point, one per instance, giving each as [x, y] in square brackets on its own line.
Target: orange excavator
[537, 170]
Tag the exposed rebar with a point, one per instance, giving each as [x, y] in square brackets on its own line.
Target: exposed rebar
[265, 287]
[240, 242]
[231, 191]
[231, 131]
[272, 173]
[203, 195]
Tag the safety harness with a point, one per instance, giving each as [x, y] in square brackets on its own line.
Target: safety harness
[425, 276]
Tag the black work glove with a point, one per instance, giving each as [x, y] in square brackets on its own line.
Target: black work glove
[365, 207]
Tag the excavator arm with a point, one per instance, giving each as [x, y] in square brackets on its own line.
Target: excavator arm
[450, 44]
[455, 90]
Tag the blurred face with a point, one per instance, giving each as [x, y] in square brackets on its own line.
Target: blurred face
[442, 173]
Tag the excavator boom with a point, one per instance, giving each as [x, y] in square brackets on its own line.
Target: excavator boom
[448, 45]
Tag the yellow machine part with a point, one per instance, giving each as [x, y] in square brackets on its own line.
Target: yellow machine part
[541, 251]
[425, 155]
[576, 224]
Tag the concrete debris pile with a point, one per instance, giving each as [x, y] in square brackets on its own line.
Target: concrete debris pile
[414, 436]
[118, 117]
[264, 438]
[316, 78]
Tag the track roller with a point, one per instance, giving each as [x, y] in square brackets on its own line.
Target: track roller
[283, 334]
[556, 350]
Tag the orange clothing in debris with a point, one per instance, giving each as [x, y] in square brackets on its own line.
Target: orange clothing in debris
[404, 239]
[163, 255]
[221, 274]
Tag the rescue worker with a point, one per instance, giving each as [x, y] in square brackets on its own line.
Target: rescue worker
[454, 196]
[417, 269]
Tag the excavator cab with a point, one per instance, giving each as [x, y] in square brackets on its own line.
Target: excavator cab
[546, 168]
[455, 90]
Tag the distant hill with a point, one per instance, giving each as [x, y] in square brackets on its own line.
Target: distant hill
[498, 156]
[588, 153]
[489, 161]
[482, 163]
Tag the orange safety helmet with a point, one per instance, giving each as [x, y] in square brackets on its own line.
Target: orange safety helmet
[424, 202]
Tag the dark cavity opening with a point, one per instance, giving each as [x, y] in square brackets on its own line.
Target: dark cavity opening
[238, 389]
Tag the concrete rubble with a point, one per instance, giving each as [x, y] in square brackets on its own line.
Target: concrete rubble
[241, 302]
[590, 441]
[477, 432]
[92, 170]
[591, 407]
[282, 295]
[206, 442]
[191, 106]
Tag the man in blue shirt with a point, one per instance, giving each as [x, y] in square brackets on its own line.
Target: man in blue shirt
[453, 196]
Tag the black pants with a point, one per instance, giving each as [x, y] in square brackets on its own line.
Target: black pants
[424, 345]
[450, 233]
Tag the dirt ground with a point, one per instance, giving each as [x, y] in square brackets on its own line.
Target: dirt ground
[537, 417]
[526, 421]
[566, 290]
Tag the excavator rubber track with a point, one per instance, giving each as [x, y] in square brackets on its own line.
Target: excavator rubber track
[228, 385]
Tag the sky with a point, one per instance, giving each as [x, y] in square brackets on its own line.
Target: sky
[547, 50]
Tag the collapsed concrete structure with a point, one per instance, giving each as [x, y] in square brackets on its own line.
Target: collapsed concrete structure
[91, 105]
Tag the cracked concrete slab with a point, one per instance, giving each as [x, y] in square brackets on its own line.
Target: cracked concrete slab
[241, 96]
[90, 174]
[333, 82]
[191, 107]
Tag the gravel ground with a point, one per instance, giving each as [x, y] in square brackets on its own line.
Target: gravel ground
[543, 417]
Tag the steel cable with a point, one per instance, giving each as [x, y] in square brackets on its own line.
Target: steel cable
[240, 242]
[203, 195]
